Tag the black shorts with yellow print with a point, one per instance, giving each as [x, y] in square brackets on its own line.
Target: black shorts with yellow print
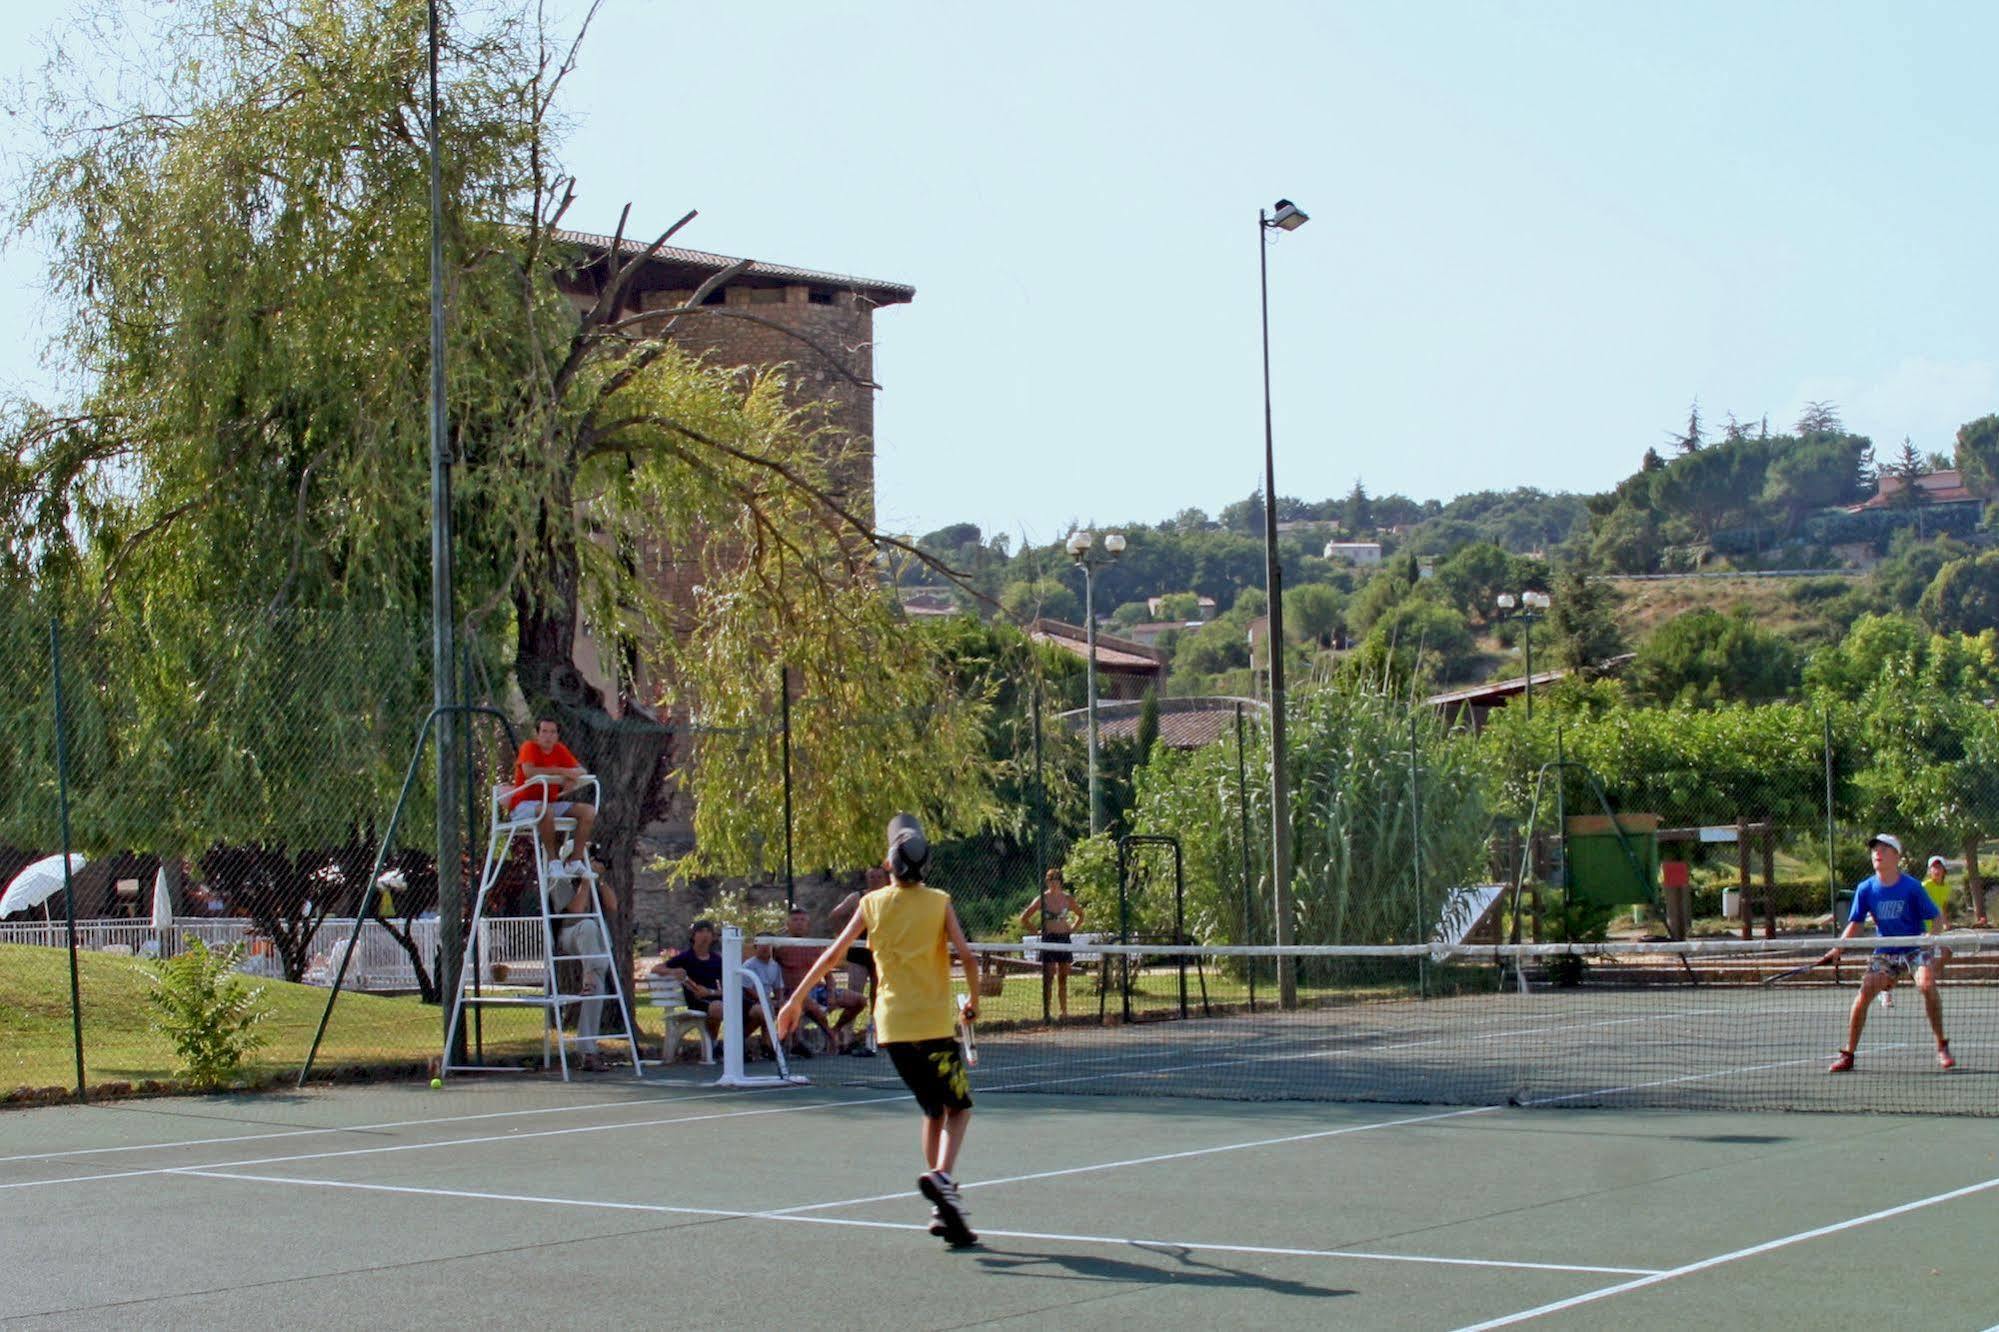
[934, 1071]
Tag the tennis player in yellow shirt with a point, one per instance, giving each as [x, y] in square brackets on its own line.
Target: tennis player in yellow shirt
[913, 931]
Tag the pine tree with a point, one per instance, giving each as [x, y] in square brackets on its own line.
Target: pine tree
[1819, 418]
[1690, 442]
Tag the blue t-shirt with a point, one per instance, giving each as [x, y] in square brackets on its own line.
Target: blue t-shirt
[1900, 909]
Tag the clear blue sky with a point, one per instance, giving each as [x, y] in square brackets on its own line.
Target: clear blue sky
[1538, 230]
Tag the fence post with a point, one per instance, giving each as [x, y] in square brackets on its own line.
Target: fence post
[1416, 846]
[784, 730]
[1248, 899]
[1041, 845]
[68, 885]
[1831, 874]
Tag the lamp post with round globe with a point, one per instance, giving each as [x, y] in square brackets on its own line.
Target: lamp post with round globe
[1081, 546]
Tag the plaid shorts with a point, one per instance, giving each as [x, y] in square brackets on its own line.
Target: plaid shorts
[1900, 962]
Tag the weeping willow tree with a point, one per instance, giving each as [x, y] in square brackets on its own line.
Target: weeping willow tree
[233, 200]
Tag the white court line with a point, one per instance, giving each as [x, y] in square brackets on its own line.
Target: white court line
[790, 1216]
[1154, 1160]
[452, 1142]
[343, 1128]
[1718, 1260]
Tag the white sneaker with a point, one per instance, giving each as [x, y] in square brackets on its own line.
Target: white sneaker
[578, 868]
[558, 869]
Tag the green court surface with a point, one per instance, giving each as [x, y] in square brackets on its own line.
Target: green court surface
[527, 1202]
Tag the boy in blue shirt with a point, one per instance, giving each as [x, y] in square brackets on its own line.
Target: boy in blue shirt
[1901, 908]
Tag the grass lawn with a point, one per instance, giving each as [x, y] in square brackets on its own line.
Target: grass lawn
[36, 1048]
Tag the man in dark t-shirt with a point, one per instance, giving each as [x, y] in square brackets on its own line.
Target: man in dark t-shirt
[698, 968]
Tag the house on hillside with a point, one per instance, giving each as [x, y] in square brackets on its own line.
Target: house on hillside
[1360, 554]
[1942, 487]
[1125, 670]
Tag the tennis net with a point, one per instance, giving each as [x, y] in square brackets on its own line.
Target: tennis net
[1709, 1024]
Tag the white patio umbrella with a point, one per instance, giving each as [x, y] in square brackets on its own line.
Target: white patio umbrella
[37, 883]
[163, 902]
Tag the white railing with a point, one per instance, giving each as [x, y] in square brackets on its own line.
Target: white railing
[379, 964]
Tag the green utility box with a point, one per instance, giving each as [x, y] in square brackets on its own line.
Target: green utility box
[1610, 870]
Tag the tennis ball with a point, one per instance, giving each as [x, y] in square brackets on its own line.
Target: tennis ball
[437, 1084]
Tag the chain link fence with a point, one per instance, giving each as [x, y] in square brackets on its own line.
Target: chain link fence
[239, 792]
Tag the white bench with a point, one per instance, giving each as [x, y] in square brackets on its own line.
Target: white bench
[670, 997]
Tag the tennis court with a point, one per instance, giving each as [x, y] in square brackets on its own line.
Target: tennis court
[513, 1201]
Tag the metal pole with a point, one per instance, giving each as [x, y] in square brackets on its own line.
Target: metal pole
[784, 729]
[1280, 794]
[68, 887]
[1529, 618]
[1090, 641]
[450, 895]
[1041, 847]
[1242, 808]
[1416, 848]
[1831, 875]
[466, 690]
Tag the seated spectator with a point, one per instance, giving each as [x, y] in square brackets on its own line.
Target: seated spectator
[765, 968]
[698, 968]
[545, 772]
[796, 960]
[584, 940]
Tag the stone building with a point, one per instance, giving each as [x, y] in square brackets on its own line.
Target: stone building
[820, 326]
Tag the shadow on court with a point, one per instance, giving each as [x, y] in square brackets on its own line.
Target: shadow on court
[1186, 1272]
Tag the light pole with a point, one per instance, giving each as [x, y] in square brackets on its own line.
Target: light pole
[1285, 217]
[1532, 605]
[1079, 546]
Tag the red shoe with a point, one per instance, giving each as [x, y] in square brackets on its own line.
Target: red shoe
[1842, 1064]
[1944, 1059]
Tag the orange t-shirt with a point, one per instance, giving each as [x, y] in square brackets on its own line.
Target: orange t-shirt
[532, 755]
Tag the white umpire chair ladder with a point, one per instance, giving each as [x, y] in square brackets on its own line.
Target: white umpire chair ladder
[556, 1040]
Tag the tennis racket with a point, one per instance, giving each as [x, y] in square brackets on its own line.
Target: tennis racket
[968, 1045]
[1812, 965]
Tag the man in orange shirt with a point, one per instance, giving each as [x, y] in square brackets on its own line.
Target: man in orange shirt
[543, 771]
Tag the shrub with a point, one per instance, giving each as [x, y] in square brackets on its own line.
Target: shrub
[206, 1012]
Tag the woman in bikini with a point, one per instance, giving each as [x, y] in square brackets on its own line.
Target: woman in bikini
[1059, 915]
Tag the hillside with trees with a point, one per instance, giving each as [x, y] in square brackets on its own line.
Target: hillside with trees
[1702, 518]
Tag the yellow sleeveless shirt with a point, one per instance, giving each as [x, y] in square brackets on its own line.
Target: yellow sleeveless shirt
[912, 951]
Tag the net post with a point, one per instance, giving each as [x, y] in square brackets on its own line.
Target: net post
[733, 1021]
[732, 1007]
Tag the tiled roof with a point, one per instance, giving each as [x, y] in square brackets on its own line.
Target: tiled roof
[1184, 723]
[1111, 651]
[884, 292]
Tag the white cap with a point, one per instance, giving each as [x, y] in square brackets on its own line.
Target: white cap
[1938, 861]
[1887, 840]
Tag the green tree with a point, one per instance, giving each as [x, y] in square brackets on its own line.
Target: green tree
[1041, 598]
[1314, 613]
[1475, 576]
[1357, 514]
[1419, 639]
[1212, 649]
[1978, 455]
[1819, 418]
[1964, 596]
[1816, 473]
[1148, 724]
[1582, 614]
[1703, 657]
[239, 242]
[1908, 467]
